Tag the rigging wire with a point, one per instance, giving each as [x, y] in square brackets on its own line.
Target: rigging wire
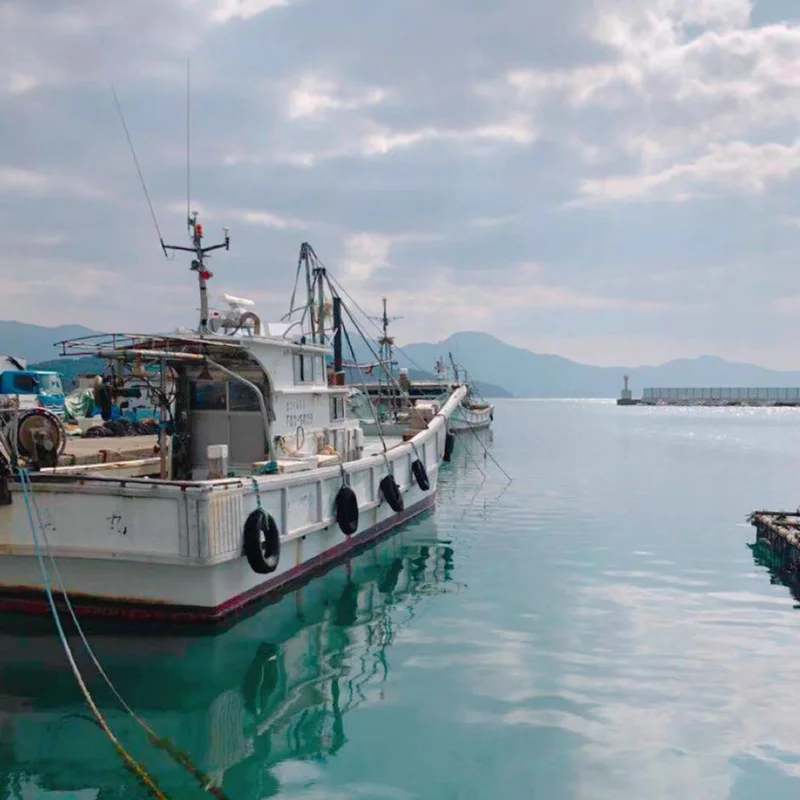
[472, 429]
[366, 393]
[333, 286]
[138, 168]
[371, 321]
[388, 371]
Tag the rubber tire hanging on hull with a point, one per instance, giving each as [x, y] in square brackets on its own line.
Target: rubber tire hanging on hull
[420, 475]
[346, 504]
[391, 493]
[262, 542]
[449, 444]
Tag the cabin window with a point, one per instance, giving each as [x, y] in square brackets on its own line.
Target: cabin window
[242, 398]
[208, 396]
[51, 384]
[25, 383]
[303, 368]
[320, 367]
[337, 407]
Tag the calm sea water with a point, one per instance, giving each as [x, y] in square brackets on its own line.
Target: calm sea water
[598, 630]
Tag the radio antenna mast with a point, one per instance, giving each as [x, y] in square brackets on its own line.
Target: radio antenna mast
[199, 265]
[196, 228]
[188, 159]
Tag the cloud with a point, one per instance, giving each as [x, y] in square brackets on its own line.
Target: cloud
[18, 180]
[733, 168]
[686, 83]
[227, 10]
[642, 156]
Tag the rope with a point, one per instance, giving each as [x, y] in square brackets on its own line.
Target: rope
[258, 492]
[372, 322]
[366, 392]
[486, 452]
[181, 759]
[130, 762]
[391, 377]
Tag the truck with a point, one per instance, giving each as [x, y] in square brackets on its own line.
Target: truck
[31, 388]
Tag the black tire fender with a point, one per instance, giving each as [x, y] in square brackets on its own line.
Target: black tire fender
[262, 542]
[391, 493]
[346, 504]
[420, 475]
[449, 444]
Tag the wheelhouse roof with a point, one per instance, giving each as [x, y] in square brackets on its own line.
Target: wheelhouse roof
[156, 347]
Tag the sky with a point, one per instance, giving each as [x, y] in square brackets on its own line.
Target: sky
[615, 181]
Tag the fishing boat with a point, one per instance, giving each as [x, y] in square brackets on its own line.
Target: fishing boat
[386, 404]
[261, 475]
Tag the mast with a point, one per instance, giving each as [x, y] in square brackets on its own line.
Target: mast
[305, 260]
[316, 278]
[338, 370]
[386, 342]
[453, 365]
[198, 263]
[319, 277]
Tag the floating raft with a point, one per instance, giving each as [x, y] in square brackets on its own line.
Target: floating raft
[781, 531]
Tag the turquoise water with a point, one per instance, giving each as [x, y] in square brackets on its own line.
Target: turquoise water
[601, 629]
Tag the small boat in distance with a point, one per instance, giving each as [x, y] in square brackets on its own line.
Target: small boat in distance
[261, 475]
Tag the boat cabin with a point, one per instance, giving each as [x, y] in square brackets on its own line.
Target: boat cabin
[240, 404]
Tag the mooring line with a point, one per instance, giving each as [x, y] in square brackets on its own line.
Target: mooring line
[130, 762]
[486, 452]
[205, 782]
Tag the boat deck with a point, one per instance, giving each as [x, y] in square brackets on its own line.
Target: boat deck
[105, 449]
[373, 446]
[83, 452]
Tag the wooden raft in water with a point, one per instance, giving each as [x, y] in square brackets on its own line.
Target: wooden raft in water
[781, 531]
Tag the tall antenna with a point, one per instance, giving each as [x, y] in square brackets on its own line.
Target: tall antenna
[196, 228]
[188, 137]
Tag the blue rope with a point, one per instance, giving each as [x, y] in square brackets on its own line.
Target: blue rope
[258, 493]
[206, 783]
[132, 764]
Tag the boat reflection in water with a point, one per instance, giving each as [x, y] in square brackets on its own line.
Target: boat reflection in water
[274, 687]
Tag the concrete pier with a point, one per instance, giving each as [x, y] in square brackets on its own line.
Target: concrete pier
[752, 396]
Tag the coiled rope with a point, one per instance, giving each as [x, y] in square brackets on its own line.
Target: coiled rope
[180, 758]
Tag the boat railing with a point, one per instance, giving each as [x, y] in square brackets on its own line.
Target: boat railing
[101, 344]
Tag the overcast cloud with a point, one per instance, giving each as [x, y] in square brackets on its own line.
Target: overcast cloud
[615, 181]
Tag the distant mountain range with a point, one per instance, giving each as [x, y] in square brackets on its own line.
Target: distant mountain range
[35, 342]
[528, 374]
[498, 369]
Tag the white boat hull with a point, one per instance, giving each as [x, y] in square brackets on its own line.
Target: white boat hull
[465, 418]
[167, 550]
